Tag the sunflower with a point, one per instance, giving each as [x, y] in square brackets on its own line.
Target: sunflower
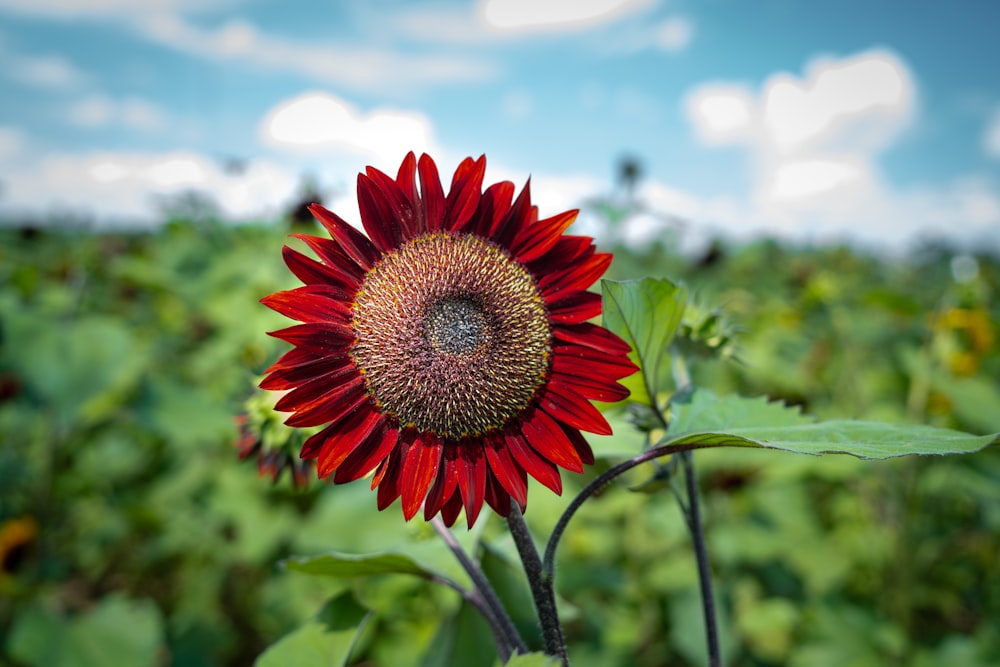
[449, 351]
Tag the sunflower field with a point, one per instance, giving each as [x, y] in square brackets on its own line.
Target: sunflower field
[151, 514]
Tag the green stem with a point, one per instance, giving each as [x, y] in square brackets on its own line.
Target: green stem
[541, 584]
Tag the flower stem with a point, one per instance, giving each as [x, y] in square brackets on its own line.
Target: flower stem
[541, 583]
[507, 637]
[693, 517]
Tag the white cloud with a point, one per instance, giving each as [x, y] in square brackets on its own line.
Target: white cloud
[866, 98]
[721, 113]
[131, 112]
[807, 178]
[70, 9]
[320, 122]
[361, 68]
[11, 144]
[47, 70]
[813, 145]
[991, 140]
[674, 34]
[535, 15]
[130, 187]
[860, 103]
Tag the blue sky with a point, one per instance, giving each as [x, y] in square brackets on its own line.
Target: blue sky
[875, 120]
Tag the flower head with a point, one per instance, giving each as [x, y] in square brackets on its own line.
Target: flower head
[449, 351]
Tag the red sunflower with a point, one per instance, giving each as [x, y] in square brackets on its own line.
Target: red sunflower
[449, 351]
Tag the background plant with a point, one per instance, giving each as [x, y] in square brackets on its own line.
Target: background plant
[131, 536]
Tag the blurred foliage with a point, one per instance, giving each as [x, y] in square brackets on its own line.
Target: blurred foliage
[130, 533]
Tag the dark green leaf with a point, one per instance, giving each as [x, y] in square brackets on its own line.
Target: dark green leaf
[356, 565]
[531, 660]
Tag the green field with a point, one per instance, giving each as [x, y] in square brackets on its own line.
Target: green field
[132, 534]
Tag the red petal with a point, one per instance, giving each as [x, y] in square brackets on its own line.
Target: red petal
[431, 194]
[331, 407]
[451, 508]
[385, 213]
[544, 434]
[312, 303]
[578, 307]
[294, 357]
[471, 479]
[406, 180]
[506, 470]
[538, 238]
[331, 254]
[351, 434]
[579, 277]
[444, 484]
[364, 459]
[520, 215]
[581, 445]
[321, 338]
[312, 272]
[533, 463]
[353, 242]
[493, 206]
[592, 335]
[327, 368]
[387, 477]
[420, 467]
[463, 198]
[497, 496]
[313, 380]
[568, 408]
[565, 253]
[594, 388]
[580, 361]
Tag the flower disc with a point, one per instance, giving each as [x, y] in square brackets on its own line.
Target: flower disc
[452, 335]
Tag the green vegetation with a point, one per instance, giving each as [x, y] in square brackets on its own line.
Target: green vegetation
[132, 534]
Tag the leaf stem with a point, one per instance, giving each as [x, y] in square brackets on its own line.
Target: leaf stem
[491, 608]
[541, 586]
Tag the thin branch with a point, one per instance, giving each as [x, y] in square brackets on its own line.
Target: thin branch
[548, 562]
[502, 624]
[504, 649]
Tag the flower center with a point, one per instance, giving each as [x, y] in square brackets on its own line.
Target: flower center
[452, 335]
[455, 326]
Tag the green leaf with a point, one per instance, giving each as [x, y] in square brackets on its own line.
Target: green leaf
[531, 660]
[93, 639]
[346, 566]
[746, 422]
[705, 411]
[325, 641]
[462, 639]
[646, 313]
